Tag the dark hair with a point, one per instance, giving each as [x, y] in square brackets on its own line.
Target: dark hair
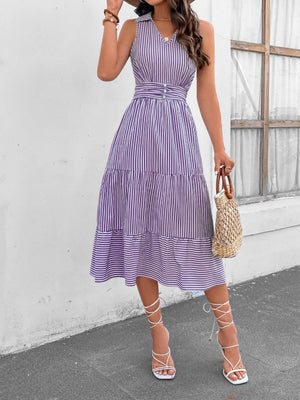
[186, 21]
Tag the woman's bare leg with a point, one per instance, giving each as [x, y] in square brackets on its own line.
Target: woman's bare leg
[228, 336]
[148, 290]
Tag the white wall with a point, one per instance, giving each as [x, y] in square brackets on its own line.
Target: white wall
[57, 123]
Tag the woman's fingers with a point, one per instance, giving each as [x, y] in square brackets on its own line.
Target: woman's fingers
[228, 169]
[222, 159]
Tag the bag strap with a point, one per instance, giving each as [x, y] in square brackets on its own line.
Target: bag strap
[229, 193]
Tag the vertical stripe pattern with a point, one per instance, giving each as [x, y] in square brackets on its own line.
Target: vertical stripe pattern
[154, 214]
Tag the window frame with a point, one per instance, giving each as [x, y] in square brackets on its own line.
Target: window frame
[264, 123]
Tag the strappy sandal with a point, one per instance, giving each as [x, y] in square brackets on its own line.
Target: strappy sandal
[164, 365]
[226, 324]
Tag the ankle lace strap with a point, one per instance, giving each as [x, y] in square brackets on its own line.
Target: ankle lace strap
[149, 313]
[218, 319]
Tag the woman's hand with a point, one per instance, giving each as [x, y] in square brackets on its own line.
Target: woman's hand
[221, 158]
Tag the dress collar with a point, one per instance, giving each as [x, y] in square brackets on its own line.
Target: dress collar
[145, 17]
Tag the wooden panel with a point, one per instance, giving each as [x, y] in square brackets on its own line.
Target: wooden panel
[284, 124]
[265, 95]
[253, 124]
[284, 51]
[246, 46]
[260, 48]
[239, 123]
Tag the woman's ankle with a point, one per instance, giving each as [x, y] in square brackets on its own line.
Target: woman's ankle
[158, 331]
[228, 334]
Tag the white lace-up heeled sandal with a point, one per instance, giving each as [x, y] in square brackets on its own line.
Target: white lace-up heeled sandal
[216, 307]
[164, 365]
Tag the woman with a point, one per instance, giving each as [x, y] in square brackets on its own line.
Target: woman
[154, 215]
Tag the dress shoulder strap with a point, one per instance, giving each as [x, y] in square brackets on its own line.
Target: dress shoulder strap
[141, 31]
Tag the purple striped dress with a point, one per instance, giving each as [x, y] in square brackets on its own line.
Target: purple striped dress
[154, 214]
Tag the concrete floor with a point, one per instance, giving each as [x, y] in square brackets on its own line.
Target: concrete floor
[114, 361]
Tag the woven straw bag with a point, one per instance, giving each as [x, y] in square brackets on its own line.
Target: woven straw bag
[227, 238]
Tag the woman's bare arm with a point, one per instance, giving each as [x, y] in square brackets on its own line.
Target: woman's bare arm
[207, 98]
[115, 51]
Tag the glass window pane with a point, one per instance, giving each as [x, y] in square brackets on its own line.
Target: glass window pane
[245, 152]
[246, 20]
[284, 87]
[246, 85]
[285, 22]
[284, 160]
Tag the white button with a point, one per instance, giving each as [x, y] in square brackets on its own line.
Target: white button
[164, 96]
[165, 84]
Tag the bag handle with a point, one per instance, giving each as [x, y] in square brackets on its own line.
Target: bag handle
[221, 172]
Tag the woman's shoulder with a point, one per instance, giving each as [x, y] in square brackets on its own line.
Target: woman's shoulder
[141, 18]
[131, 22]
[206, 27]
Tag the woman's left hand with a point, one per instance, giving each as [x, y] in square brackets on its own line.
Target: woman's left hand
[221, 158]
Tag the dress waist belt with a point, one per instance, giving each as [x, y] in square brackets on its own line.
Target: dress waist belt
[160, 90]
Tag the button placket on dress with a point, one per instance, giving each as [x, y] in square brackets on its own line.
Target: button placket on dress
[165, 90]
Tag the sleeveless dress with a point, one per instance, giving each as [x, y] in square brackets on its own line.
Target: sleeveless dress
[154, 214]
